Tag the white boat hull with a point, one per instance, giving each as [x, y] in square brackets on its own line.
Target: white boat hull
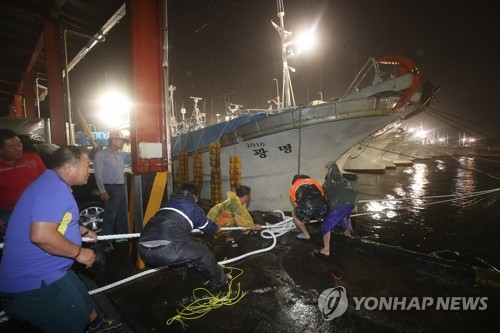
[268, 170]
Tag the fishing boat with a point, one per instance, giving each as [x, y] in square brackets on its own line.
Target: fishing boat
[274, 145]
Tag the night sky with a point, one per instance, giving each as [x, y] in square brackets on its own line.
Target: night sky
[228, 51]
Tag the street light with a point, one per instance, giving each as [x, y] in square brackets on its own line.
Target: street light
[305, 42]
[114, 108]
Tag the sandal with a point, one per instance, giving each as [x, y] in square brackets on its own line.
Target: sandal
[300, 237]
[232, 243]
[319, 254]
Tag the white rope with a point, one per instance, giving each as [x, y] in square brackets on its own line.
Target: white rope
[130, 278]
[135, 235]
[281, 227]
[453, 196]
[456, 196]
[3, 317]
[269, 248]
[108, 237]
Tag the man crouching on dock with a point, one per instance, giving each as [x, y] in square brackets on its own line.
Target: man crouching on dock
[166, 238]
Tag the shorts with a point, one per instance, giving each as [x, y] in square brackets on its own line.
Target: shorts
[307, 213]
[340, 217]
[62, 306]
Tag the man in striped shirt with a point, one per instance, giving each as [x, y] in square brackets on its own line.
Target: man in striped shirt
[110, 179]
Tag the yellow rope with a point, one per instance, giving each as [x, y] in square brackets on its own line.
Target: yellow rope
[207, 301]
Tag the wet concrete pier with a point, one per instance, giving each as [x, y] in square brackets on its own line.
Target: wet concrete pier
[283, 287]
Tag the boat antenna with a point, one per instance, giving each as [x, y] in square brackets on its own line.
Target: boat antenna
[286, 53]
[171, 90]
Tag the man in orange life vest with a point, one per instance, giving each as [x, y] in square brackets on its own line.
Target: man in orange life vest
[309, 203]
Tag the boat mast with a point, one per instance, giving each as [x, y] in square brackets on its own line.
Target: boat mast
[286, 53]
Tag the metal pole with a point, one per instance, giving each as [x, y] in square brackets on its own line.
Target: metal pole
[37, 97]
[287, 92]
[68, 98]
[66, 74]
[171, 106]
[277, 94]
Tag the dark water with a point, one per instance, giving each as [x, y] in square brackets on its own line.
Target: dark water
[470, 226]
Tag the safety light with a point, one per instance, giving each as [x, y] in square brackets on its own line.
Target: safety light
[114, 109]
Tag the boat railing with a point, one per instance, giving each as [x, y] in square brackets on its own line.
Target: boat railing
[257, 111]
[306, 116]
[360, 77]
[362, 81]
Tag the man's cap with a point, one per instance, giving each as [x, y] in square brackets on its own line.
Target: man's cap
[117, 135]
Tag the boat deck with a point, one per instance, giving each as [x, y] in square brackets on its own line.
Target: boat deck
[283, 287]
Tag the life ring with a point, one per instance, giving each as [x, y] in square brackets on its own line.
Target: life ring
[406, 66]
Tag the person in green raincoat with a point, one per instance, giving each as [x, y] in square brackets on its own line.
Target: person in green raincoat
[233, 212]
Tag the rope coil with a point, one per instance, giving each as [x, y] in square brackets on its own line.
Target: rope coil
[207, 301]
[281, 227]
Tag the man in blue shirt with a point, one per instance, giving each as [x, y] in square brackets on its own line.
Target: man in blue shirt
[166, 238]
[42, 241]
